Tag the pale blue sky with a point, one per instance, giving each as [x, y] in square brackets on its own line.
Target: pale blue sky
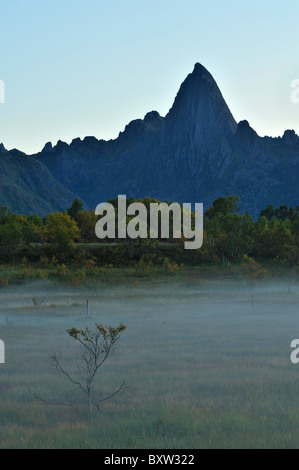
[74, 68]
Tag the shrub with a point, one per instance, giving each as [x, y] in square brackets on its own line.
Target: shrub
[255, 270]
[79, 277]
[3, 282]
[90, 265]
[44, 260]
[42, 274]
[144, 266]
[23, 274]
[170, 267]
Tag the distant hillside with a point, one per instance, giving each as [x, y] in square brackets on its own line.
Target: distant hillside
[27, 186]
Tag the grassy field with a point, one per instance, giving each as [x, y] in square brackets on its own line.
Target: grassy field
[205, 359]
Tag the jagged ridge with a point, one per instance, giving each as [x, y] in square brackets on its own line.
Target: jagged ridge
[195, 153]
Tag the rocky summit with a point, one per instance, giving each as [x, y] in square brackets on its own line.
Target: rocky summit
[195, 153]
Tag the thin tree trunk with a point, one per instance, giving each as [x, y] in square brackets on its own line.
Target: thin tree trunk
[90, 405]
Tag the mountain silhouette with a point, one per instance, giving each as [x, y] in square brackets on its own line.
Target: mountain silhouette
[196, 153]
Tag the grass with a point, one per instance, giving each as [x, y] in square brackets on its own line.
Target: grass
[71, 273]
[202, 369]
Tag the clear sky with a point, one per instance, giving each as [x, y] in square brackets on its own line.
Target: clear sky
[74, 68]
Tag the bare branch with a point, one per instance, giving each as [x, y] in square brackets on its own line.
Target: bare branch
[60, 369]
[97, 404]
[46, 402]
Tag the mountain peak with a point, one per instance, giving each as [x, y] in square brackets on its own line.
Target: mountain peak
[153, 119]
[199, 112]
[200, 69]
[48, 147]
[2, 148]
[244, 129]
[290, 137]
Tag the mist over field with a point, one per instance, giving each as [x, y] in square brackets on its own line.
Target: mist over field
[206, 363]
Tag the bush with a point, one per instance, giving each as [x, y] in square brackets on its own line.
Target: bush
[78, 278]
[170, 267]
[24, 273]
[42, 274]
[90, 265]
[3, 282]
[255, 270]
[61, 270]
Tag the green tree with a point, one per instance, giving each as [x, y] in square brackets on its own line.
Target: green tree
[31, 227]
[75, 208]
[10, 234]
[3, 213]
[223, 206]
[229, 233]
[269, 212]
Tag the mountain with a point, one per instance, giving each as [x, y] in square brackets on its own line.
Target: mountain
[195, 153]
[27, 186]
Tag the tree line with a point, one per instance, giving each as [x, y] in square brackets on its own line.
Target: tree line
[228, 234]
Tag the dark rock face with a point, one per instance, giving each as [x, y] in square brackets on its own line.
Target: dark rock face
[2, 149]
[28, 187]
[199, 114]
[195, 154]
[48, 147]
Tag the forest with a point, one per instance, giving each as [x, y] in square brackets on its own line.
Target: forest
[229, 237]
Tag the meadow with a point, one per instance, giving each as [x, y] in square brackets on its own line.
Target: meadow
[205, 359]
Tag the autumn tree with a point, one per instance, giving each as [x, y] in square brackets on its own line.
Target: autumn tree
[86, 221]
[61, 232]
[255, 270]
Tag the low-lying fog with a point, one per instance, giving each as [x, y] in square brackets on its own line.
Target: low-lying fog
[214, 347]
[208, 320]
